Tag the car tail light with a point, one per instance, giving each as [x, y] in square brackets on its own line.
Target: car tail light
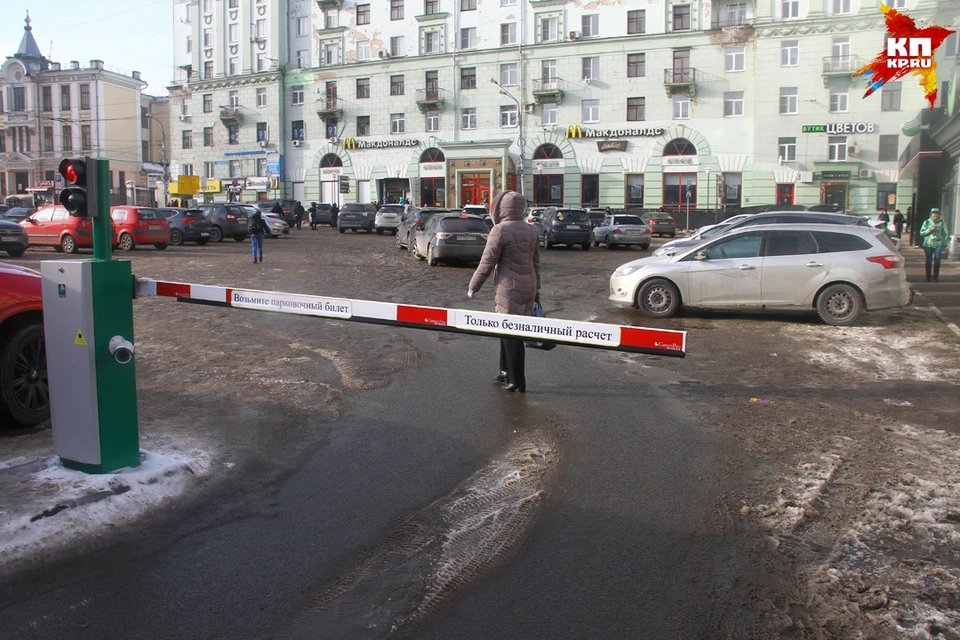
[230, 216]
[617, 232]
[420, 225]
[671, 220]
[443, 236]
[887, 261]
[646, 232]
[189, 221]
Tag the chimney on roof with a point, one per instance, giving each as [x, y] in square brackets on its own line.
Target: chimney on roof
[96, 64]
[136, 75]
[55, 66]
[74, 64]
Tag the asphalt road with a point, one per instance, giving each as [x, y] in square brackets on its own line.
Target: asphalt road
[621, 533]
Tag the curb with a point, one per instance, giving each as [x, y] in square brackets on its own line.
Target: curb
[940, 315]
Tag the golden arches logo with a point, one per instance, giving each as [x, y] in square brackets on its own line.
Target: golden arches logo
[574, 131]
[349, 143]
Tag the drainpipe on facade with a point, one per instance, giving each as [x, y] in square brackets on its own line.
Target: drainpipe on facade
[521, 141]
[282, 70]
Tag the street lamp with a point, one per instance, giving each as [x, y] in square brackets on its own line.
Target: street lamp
[163, 157]
[708, 191]
[520, 141]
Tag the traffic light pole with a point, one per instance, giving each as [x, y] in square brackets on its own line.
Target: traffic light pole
[100, 211]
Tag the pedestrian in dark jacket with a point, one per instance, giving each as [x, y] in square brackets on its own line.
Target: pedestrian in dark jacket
[334, 212]
[298, 213]
[314, 216]
[258, 227]
[883, 219]
[898, 221]
[512, 252]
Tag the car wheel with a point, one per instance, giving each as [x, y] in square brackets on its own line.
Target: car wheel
[342, 230]
[160, 246]
[126, 242]
[839, 305]
[585, 246]
[411, 246]
[431, 260]
[399, 244]
[176, 238]
[547, 244]
[658, 298]
[608, 244]
[216, 234]
[24, 393]
[202, 242]
[596, 243]
[644, 247]
[68, 244]
[239, 237]
[673, 235]
[15, 253]
[379, 232]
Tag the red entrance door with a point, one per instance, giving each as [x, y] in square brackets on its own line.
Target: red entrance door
[475, 188]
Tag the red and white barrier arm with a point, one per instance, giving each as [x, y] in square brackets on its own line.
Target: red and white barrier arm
[596, 335]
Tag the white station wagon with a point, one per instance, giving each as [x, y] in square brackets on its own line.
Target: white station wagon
[839, 271]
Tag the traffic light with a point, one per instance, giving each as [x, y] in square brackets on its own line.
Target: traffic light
[76, 198]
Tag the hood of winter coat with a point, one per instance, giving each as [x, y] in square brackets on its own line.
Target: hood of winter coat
[508, 205]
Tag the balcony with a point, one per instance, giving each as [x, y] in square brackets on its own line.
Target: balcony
[430, 99]
[329, 4]
[329, 107]
[840, 65]
[548, 90]
[230, 116]
[731, 22]
[680, 79]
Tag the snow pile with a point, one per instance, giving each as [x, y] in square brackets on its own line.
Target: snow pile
[81, 506]
[911, 352]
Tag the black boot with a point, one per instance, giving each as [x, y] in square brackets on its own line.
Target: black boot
[501, 377]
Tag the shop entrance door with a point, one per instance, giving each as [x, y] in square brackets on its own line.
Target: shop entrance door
[548, 190]
[393, 189]
[21, 179]
[475, 188]
[432, 193]
[835, 194]
[330, 192]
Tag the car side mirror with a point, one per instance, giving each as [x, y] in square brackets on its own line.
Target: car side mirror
[701, 255]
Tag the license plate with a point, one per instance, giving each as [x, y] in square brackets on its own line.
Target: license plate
[465, 238]
[203, 233]
[573, 226]
[243, 220]
[155, 227]
[7, 239]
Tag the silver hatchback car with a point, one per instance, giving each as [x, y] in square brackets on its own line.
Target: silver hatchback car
[838, 271]
[622, 231]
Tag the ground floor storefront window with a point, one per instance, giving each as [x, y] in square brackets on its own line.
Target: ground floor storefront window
[834, 193]
[590, 190]
[886, 196]
[680, 190]
[634, 191]
[475, 188]
[732, 189]
[548, 190]
[432, 192]
[785, 193]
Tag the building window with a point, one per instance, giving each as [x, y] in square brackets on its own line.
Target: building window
[235, 169]
[260, 28]
[431, 42]
[787, 149]
[840, 7]
[261, 132]
[48, 138]
[549, 113]
[86, 138]
[734, 57]
[85, 96]
[886, 195]
[396, 85]
[363, 125]
[363, 50]
[507, 3]
[468, 5]
[186, 170]
[233, 134]
[681, 17]
[508, 115]
[261, 167]
[234, 98]
[234, 66]
[262, 62]
[636, 21]
[46, 99]
[468, 118]
[636, 109]
[331, 54]
[889, 148]
[64, 99]
[297, 132]
[838, 102]
[208, 103]
[209, 170]
[189, 44]
[788, 100]
[790, 9]
[396, 9]
[590, 25]
[548, 70]
[785, 193]
[185, 108]
[681, 107]
[431, 7]
[838, 148]
[590, 111]
[508, 33]
[297, 94]
[468, 38]
[233, 32]
[66, 138]
[890, 97]
[303, 59]
[3, 141]
[397, 123]
[261, 97]
[303, 26]
[363, 88]
[549, 30]
[432, 120]
[363, 14]
[208, 136]
[397, 46]
[208, 37]
[590, 190]
[736, 14]
[732, 104]
[789, 53]
[468, 77]
[636, 65]
[591, 68]
[509, 75]
[331, 19]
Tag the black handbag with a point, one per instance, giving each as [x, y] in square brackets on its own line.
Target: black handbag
[538, 312]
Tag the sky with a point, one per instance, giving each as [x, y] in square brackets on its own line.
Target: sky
[134, 35]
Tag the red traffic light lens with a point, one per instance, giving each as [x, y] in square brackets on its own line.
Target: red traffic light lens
[70, 173]
[73, 171]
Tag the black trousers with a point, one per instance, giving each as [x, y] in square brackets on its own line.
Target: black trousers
[512, 359]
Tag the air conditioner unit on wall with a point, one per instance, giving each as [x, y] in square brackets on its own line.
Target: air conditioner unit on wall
[574, 35]
[262, 143]
[528, 108]
[333, 139]
[866, 173]
[297, 143]
[183, 118]
[853, 149]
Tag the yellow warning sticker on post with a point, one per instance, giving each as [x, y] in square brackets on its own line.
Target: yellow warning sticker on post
[80, 339]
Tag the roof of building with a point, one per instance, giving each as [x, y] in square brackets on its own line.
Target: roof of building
[28, 45]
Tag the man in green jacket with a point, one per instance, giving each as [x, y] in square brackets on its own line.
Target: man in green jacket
[934, 234]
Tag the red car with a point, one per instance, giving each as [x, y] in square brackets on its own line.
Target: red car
[54, 227]
[140, 225]
[24, 394]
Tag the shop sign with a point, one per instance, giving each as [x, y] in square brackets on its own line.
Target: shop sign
[330, 173]
[548, 167]
[258, 184]
[354, 143]
[44, 184]
[212, 186]
[431, 170]
[188, 184]
[576, 131]
[611, 145]
[682, 161]
[840, 128]
[835, 175]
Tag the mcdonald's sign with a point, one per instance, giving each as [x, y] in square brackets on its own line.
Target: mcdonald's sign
[353, 143]
[349, 143]
[574, 131]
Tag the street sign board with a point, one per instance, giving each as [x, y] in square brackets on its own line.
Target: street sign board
[188, 184]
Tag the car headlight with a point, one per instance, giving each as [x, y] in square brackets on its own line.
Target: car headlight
[626, 270]
[658, 252]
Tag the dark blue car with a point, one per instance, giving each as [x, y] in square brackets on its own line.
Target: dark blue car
[187, 225]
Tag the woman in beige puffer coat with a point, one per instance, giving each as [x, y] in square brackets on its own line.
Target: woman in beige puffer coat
[513, 255]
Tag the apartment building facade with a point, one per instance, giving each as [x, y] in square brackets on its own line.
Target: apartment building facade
[48, 111]
[671, 104]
